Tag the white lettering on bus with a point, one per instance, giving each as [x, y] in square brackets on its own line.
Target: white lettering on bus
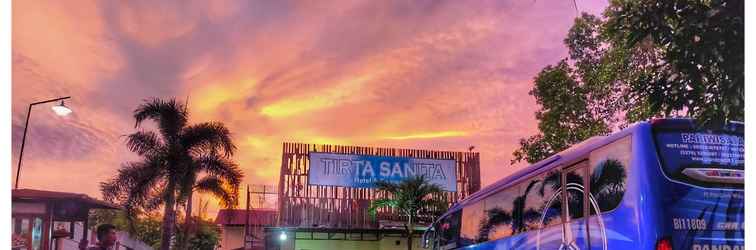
[717, 247]
[688, 224]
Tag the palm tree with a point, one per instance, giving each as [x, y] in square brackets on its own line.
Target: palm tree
[494, 217]
[517, 218]
[222, 178]
[171, 160]
[411, 197]
[608, 183]
[520, 216]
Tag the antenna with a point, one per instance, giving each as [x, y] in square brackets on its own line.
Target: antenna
[186, 104]
[577, 12]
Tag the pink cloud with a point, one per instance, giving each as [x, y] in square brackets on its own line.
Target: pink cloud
[349, 72]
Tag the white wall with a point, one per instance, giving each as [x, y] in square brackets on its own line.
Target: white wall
[232, 237]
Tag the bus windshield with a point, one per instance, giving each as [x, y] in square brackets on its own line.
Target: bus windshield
[704, 158]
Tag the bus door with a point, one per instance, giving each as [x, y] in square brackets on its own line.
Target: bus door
[574, 207]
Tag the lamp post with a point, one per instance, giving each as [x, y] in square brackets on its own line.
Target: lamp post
[59, 109]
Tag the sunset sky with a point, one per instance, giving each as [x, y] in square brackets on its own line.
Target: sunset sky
[440, 75]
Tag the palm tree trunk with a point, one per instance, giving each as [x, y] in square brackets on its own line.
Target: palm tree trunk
[169, 219]
[187, 221]
[410, 230]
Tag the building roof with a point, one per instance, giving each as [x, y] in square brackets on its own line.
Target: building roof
[257, 217]
[44, 196]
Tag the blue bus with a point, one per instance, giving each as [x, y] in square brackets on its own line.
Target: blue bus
[658, 184]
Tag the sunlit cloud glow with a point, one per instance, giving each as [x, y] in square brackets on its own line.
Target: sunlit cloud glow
[430, 135]
[437, 75]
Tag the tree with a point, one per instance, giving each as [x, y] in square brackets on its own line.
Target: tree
[701, 71]
[644, 59]
[170, 159]
[410, 197]
[521, 215]
[494, 217]
[564, 117]
[608, 183]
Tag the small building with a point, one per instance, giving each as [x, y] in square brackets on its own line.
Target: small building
[48, 220]
[35, 214]
[233, 227]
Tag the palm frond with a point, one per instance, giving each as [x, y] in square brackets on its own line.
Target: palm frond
[434, 207]
[170, 116]
[381, 203]
[553, 180]
[221, 167]
[211, 184]
[386, 186]
[137, 186]
[144, 142]
[133, 182]
[208, 137]
[411, 195]
[530, 186]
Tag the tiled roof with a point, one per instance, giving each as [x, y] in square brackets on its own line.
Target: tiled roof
[43, 195]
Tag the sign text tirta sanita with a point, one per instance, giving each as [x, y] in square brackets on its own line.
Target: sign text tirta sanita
[348, 170]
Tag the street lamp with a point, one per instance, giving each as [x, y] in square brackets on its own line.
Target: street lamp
[59, 109]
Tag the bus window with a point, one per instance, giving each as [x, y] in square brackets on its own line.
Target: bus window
[609, 166]
[709, 159]
[575, 179]
[499, 214]
[551, 200]
[448, 231]
[472, 216]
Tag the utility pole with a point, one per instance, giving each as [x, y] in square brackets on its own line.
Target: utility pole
[246, 223]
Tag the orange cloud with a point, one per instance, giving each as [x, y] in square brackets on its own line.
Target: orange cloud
[338, 94]
[209, 97]
[429, 135]
[436, 75]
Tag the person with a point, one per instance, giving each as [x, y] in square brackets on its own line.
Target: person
[106, 238]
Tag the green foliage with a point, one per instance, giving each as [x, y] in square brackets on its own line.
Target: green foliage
[701, 71]
[410, 197]
[145, 228]
[644, 59]
[205, 235]
[113, 217]
[148, 230]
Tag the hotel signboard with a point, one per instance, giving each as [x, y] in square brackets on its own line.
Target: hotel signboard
[362, 171]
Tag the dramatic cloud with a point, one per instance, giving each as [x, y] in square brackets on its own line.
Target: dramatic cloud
[415, 74]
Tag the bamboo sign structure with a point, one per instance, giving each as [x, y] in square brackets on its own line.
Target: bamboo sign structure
[304, 205]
